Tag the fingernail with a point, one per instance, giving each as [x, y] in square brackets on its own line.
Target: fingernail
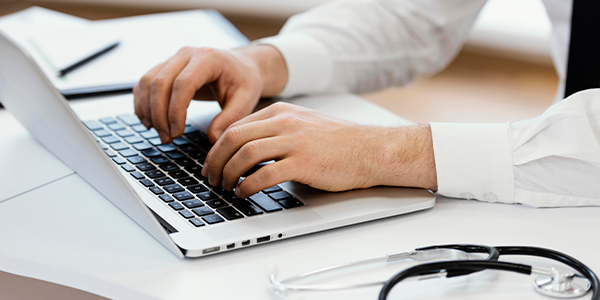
[211, 180]
[146, 123]
[173, 130]
[163, 136]
[219, 133]
[204, 170]
[238, 193]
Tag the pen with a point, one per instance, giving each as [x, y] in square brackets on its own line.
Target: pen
[84, 61]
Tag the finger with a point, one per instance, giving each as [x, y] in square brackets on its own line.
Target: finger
[233, 139]
[143, 95]
[266, 113]
[239, 106]
[136, 101]
[266, 177]
[200, 70]
[251, 154]
[160, 92]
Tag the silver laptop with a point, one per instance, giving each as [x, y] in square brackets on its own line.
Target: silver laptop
[160, 186]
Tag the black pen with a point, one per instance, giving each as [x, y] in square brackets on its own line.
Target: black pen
[84, 61]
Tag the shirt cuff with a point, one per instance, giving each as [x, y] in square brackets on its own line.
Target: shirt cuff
[473, 161]
[309, 66]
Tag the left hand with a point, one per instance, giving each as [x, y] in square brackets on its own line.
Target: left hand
[318, 150]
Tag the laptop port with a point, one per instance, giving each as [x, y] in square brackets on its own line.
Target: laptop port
[210, 250]
[231, 246]
[246, 243]
[263, 239]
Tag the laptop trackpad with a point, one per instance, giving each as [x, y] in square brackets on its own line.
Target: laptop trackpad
[266, 224]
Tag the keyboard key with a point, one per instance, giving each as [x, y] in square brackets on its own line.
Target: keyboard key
[108, 120]
[110, 139]
[104, 147]
[164, 181]
[202, 211]
[119, 146]
[130, 120]
[137, 175]
[176, 206]
[93, 125]
[156, 190]
[175, 155]
[278, 196]
[139, 128]
[183, 196]
[116, 127]
[166, 148]
[155, 141]
[199, 156]
[265, 203]
[189, 129]
[160, 160]
[147, 182]
[124, 133]
[150, 134]
[166, 198]
[247, 208]
[118, 160]
[101, 133]
[145, 167]
[136, 159]
[128, 153]
[198, 188]
[187, 181]
[180, 141]
[110, 153]
[272, 189]
[196, 222]
[193, 203]
[291, 203]
[185, 162]
[230, 213]
[134, 139]
[155, 174]
[207, 196]
[178, 174]
[128, 168]
[169, 167]
[217, 203]
[151, 153]
[142, 146]
[194, 168]
[174, 188]
[212, 219]
[186, 214]
[232, 198]
[188, 148]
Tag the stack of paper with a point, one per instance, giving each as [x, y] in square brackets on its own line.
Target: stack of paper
[55, 40]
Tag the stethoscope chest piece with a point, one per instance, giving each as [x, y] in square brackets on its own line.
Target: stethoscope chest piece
[561, 285]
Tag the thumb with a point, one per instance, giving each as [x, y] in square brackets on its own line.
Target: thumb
[238, 107]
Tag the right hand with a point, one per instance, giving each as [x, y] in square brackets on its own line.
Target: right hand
[239, 77]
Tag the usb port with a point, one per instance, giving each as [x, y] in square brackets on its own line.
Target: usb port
[263, 239]
[210, 250]
[246, 243]
[231, 246]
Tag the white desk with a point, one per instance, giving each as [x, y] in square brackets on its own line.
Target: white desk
[66, 232]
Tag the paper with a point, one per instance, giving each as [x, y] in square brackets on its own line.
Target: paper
[54, 39]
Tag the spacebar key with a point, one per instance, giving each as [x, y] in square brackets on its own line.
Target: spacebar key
[264, 202]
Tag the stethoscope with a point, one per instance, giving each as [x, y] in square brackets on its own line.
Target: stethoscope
[549, 281]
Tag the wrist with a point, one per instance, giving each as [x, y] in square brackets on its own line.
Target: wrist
[408, 159]
[271, 65]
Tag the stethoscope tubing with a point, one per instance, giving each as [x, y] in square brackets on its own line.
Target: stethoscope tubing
[463, 267]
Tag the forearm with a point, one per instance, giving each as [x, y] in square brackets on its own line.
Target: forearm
[407, 158]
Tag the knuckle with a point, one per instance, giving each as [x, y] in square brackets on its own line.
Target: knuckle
[286, 120]
[231, 135]
[207, 51]
[180, 83]
[145, 81]
[250, 149]
[269, 174]
[158, 83]
[185, 50]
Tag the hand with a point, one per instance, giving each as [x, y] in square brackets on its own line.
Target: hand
[238, 78]
[318, 150]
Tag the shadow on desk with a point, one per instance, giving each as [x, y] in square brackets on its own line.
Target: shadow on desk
[20, 288]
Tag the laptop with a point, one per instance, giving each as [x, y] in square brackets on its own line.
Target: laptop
[160, 186]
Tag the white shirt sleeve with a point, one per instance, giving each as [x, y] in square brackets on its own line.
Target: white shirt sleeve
[549, 161]
[366, 45]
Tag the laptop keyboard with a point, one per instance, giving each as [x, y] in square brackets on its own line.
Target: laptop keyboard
[172, 172]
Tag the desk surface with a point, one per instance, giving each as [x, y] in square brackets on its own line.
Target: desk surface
[66, 232]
